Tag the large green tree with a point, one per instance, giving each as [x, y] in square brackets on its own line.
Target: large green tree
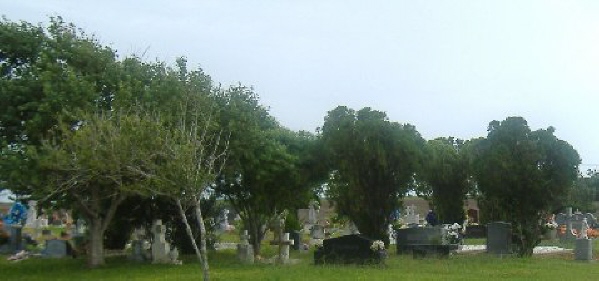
[264, 172]
[521, 175]
[446, 173]
[43, 72]
[97, 165]
[373, 162]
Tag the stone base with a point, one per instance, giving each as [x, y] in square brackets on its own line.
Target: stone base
[583, 250]
[245, 253]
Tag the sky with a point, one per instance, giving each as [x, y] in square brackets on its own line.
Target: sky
[447, 67]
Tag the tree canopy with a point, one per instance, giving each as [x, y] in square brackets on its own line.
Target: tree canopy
[521, 175]
[372, 162]
[446, 174]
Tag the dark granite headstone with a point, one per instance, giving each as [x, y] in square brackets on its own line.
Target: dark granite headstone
[406, 238]
[296, 237]
[353, 248]
[476, 231]
[423, 241]
[499, 238]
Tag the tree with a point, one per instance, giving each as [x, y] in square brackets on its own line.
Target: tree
[446, 172]
[373, 161]
[521, 175]
[43, 71]
[97, 165]
[263, 175]
[583, 192]
[193, 156]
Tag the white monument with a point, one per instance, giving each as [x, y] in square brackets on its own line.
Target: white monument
[31, 214]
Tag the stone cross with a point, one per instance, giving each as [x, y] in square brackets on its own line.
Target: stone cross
[245, 251]
[244, 238]
[160, 248]
[284, 244]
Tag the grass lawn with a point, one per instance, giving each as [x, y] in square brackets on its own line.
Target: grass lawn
[225, 267]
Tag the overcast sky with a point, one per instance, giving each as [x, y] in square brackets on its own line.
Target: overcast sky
[447, 67]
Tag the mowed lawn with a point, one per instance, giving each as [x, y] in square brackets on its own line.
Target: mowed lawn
[225, 267]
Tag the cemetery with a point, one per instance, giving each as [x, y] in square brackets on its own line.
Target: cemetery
[414, 245]
[121, 168]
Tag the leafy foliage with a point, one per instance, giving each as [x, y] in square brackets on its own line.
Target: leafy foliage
[268, 167]
[446, 172]
[522, 174]
[373, 161]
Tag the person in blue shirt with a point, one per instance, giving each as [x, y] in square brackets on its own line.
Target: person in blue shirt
[431, 218]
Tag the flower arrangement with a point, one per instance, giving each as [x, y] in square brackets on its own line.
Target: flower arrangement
[550, 225]
[452, 235]
[377, 245]
[318, 243]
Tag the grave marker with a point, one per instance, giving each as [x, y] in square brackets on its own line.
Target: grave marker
[245, 251]
[499, 238]
[347, 249]
[55, 248]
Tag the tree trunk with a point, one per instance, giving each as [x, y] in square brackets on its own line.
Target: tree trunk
[188, 230]
[96, 243]
[204, 260]
[256, 235]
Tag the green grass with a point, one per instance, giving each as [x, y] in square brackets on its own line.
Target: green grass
[225, 267]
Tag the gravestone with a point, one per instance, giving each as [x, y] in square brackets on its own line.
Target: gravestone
[499, 238]
[312, 213]
[31, 214]
[476, 231]
[422, 241]
[224, 220]
[43, 219]
[138, 252]
[391, 233]
[573, 223]
[406, 238]
[317, 232]
[584, 249]
[411, 217]
[284, 242]
[347, 249]
[81, 227]
[160, 248]
[245, 251]
[297, 239]
[350, 228]
[55, 248]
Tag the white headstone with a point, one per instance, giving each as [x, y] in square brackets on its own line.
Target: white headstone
[224, 221]
[391, 234]
[286, 244]
[312, 214]
[411, 217]
[160, 248]
[245, 251]
[583, 229]
[31, 214]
